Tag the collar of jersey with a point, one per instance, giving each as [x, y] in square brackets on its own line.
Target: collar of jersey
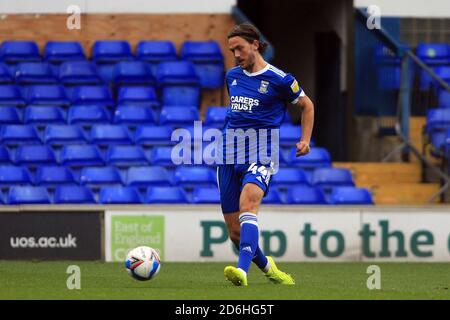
[252, 74]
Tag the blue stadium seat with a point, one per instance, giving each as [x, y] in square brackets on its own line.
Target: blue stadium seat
[46, 95]
[215, 116]
[317, 157]
[331, 177]
[437, 119]
[35, 73]
[12, 175]
[193, 176]
[107, 51]
[79, 73]
[58, 135]
[11, 95]
[44, 115]
[444, 72]
[73, 195]
[138, 96]
[89, 95]
[162, 156]
[148, 176]
[272, 197]
[126, 156]
[178, 116]
[287, 177]
[132, 73]
[172, 195]
[177, 73]
[28, 195]
[153, 135]
[155, 52]
[181, 96]
[19, 134]
[305, 195]
[81, 155]
[119, 195]
[134, 115]
[106, 134]
[19, 51]
[51, 176]
[205, 195]
[95, 176]
[290, 134]
[438, 140]
[434, 53]
[34, 155]
[447, 145]
[444, 99]
[9, 115]
[60, 51]
[88, 115]
[5, 157]
[388, 68]
[5, 75]
[350, 196]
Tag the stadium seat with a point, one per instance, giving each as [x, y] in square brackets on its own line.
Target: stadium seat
[28, 73]
[44, 115]
[73, 195]
[172, 195]
[134, 115]
[290, 134]
[179, 116]
[215, 116]
[28, 195]
[205, 195]
[437, 119]
[119, 195]
[73, 73]
[88, 115]
[180, 96]
[330, 177]
[57, 52]
[92, 95]
[19, 134]
[5, 157]
[272, 197]
[138, 96]
[148, 176]
[155, 52]
[208, 61]
[162, 156]
[126, 156]
[5, 75]
[105, 134]
[438, 140]
[132, 73]
[34, 155]
[444, 99]
[58, 135]
[12, 175]
[95, 176]
[195, 176]
[287, 177]
[350, 196]
[19, 51]
[81, 155]
[46, 95]
[434, 53]
[317, 157]
[153, 135]
[11, 95]
[177, 73]
[444, 72]
[108, 51]
[305, 195]
[9, 115]
[388, 68]
[51, 176]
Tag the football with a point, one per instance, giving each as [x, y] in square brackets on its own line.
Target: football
[143, 263]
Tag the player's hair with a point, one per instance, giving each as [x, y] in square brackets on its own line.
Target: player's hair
[250, 33]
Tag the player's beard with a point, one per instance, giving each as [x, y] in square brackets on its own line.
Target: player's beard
[248, 65]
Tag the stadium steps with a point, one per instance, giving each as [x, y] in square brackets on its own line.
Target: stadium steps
[391, 183]
[416, 126]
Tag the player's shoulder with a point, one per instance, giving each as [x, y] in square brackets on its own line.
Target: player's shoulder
[279, 75]
[234, 71]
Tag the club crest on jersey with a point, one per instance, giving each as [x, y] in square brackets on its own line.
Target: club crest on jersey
[263, 86]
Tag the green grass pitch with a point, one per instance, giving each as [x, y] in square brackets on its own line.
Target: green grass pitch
[99, 280]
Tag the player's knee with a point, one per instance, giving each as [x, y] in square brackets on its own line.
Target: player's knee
[249, 206]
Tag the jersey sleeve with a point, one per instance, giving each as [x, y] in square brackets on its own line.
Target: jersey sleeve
[290, 89]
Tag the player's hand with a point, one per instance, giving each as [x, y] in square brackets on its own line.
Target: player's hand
[302, 148]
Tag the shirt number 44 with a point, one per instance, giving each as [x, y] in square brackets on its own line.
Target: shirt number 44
[262, 171]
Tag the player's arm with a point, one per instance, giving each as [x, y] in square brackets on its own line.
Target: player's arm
[307, 110]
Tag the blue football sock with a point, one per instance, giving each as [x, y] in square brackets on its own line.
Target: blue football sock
[249, 240]
[260, 260]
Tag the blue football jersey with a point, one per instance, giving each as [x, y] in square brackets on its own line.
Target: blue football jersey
[257, 101]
